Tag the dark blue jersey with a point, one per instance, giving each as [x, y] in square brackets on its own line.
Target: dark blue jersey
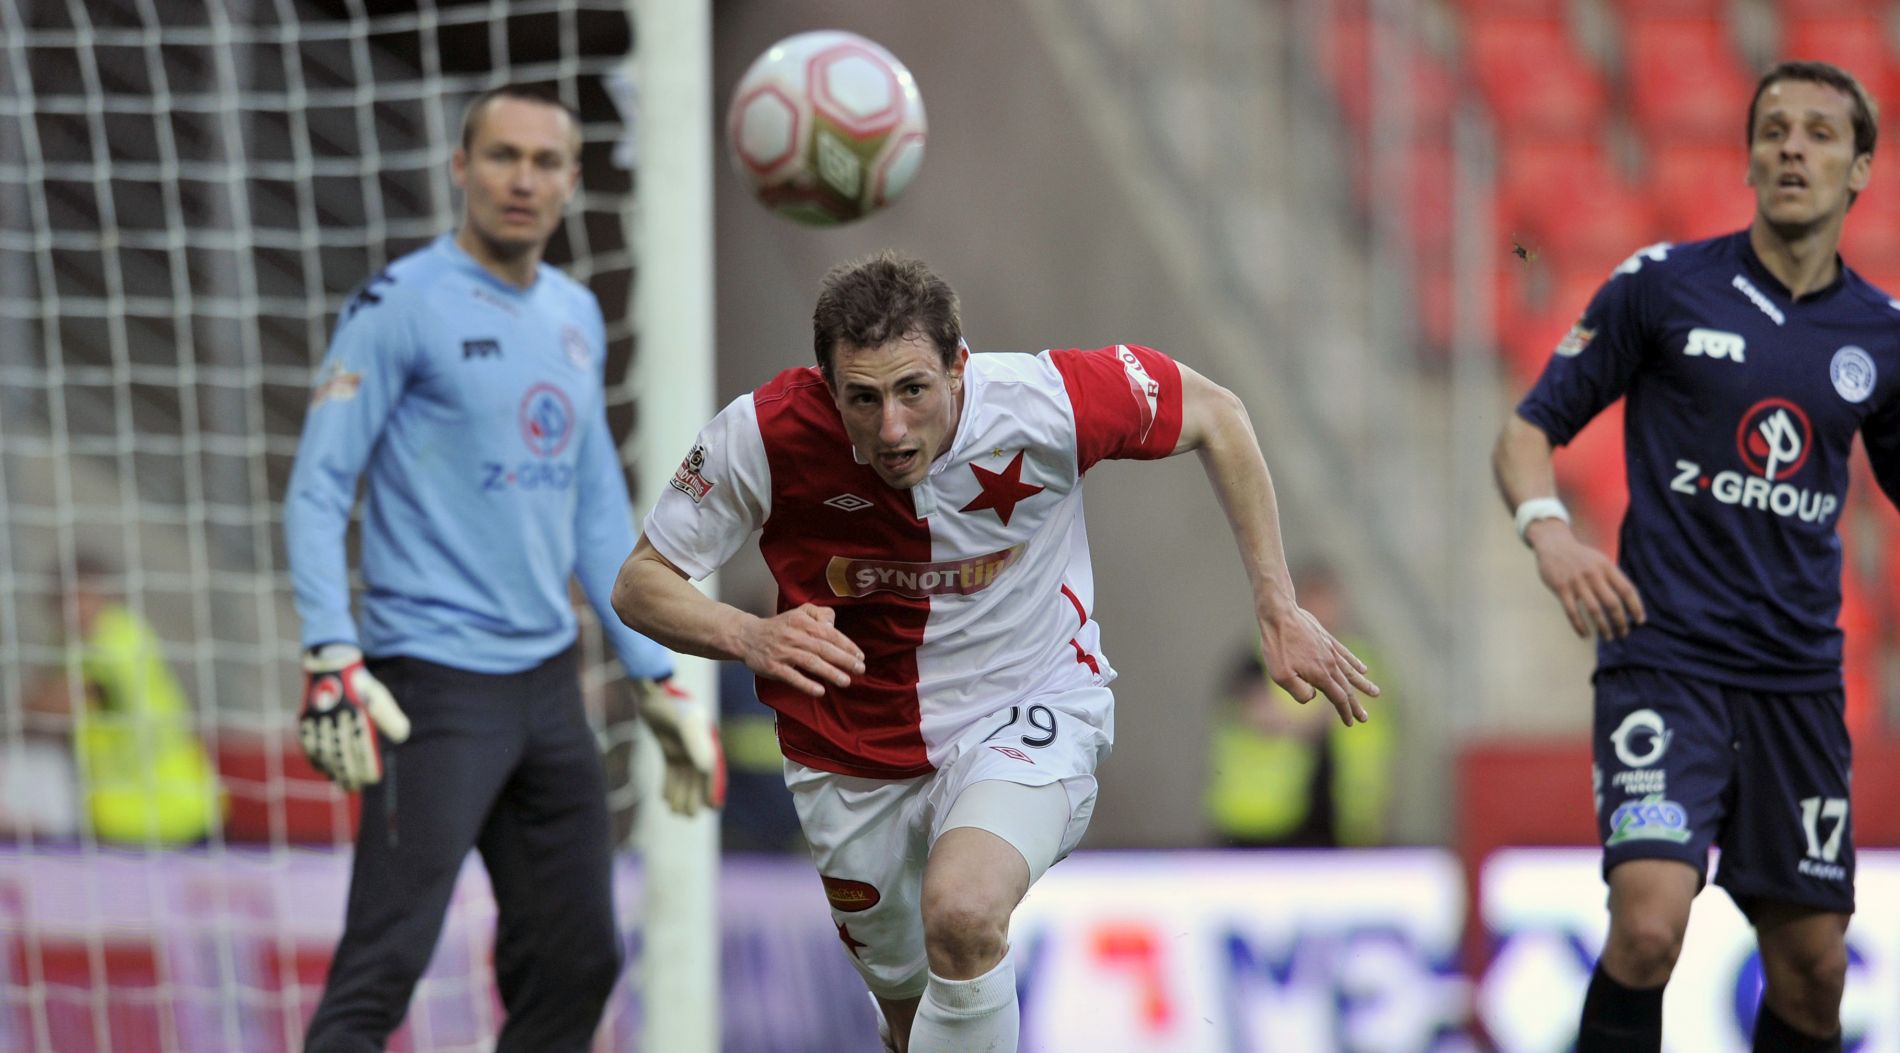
[1743, 404]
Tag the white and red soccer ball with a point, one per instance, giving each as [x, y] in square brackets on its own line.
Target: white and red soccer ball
[826, 127]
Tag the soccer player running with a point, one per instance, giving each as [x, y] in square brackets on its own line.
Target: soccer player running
[468, 379]
[941, 690]
[1749, 362]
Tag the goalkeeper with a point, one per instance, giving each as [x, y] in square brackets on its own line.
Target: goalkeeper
[467, 380]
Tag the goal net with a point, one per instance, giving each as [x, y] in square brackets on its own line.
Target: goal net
[189, 189]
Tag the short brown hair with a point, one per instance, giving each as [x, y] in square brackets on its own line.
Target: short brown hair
[871, 301]
[472, 117]
[1866, 114]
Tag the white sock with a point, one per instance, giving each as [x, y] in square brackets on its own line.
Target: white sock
[969, 1016]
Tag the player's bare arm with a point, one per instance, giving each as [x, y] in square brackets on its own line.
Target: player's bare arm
[1302, 656]
[1597, 596]
[801, 647]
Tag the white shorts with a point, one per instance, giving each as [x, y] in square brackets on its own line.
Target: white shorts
[870, 838]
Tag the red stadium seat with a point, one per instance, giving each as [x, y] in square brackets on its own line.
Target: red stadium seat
[1698, 188]
[1534, 172]
[1545, 303]
[1872, 239]
[1856, 42]
[1598, 226]
[1684, 79]
[1347, 59]
[1832, 7]
[1538, 8]
[1532, 77]
[1712, 9]
[1860, 658]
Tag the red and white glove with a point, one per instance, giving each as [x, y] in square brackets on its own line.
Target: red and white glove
[343, 709]
[695, 764]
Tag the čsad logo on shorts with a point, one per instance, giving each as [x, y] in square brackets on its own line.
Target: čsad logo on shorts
[1852, 372]
[1650, 818]
[547, 419]
[1641, 739]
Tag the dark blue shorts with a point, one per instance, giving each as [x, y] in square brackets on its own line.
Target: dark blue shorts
[1684, 763]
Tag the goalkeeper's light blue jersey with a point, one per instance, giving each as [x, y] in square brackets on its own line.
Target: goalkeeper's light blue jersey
[477, 409]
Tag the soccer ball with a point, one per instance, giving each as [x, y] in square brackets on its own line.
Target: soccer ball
[826, 127]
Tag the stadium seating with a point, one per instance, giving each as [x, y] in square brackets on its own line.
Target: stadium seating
[1698, 187]
[1684, 79]
[1854, 41]
[1533, 78]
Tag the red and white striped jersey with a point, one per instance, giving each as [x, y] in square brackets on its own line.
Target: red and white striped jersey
[967, 593]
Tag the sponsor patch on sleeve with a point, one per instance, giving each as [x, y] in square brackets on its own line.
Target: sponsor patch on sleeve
[1147, 393]
[335, 385]
[688, 479]
[1575, 341]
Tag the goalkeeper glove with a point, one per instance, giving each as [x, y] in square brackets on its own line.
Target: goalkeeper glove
[695, 765]
[343, 709]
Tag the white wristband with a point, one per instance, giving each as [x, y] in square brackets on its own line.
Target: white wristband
[1538, 508]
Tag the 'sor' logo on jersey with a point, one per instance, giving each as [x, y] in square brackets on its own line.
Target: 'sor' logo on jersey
[547, 419]
[1715, 344]
[1774, 438]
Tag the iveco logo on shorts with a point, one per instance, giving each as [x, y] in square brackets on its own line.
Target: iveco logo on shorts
[1715, 344]
[958, 577]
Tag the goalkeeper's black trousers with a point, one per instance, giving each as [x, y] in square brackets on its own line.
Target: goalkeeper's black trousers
[506, 765]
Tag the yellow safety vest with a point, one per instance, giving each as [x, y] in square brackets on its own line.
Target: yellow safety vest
[147, 778]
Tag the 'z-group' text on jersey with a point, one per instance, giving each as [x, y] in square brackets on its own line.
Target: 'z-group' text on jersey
[966, 593]
[476, 409]
[1743, 405]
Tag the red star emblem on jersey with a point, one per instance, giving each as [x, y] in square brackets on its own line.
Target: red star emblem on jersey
[851, 944]
[1001, 490]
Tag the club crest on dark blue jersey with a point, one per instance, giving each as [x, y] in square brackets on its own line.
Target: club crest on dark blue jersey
[547, 419]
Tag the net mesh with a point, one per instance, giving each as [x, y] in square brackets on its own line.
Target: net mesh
[189, 190]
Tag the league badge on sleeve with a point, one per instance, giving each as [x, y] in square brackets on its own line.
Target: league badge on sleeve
[339, 385]
[688, 479]
[1575, 341]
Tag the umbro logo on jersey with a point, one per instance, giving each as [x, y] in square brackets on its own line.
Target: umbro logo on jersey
[1715, 344]
[481, 349]
[848, 502]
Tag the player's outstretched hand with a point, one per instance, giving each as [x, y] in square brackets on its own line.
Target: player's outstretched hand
[1307, 661]
[802, 647]
[695, 765]
[343, 709]
[1597, 596]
